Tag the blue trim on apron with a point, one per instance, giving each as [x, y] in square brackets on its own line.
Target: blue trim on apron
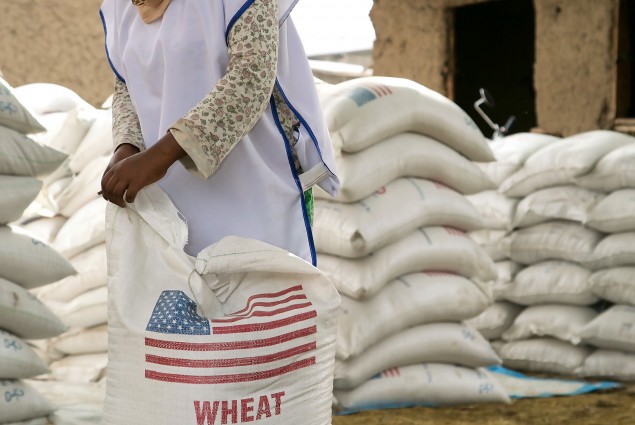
[103, 22]
[236, 17]
[307, 222]
[305, 124]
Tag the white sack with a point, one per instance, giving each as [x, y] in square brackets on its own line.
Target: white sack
[36, 421]
[613, 329]
[614, 365]
[423, 385]
[560, 202]
[91, 274]
[24, 315]
[544, 355]
[17, 359]
[496, 209]
[562, 322]
[30, 262]
[355, 230]
[615, 213]
[507, 270]
[511, 152]
[44, 228]
[364, 111]
[84, 341]
[429, 248]
[83, 188]
[453, 343]
[16, 193]
[405, 155]
[80, 369]
[13, 113]
[497, 244]
[74, 128]
[88, 309]
[52, 123]
[21, 156]
[615, 250]
[495, 320]
[411, 300]
[46, 98]
[560, 163]
[557, 282]
[555, 240]
[97, 142]
[613, 172]
[264, 320]
[21, 401]
[83, 230]
[53, 190]
[615, 285]
[61, 172]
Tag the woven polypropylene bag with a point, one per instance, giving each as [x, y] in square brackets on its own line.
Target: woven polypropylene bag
[244, 332]
[13, 114]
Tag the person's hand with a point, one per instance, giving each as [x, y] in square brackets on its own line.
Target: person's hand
[129, 172]
[122, 152]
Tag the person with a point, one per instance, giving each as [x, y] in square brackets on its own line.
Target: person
[215, 102]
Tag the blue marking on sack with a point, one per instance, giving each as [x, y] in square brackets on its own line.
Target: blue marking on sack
[362, 96]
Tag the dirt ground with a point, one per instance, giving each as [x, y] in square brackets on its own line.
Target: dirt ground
[607, 408]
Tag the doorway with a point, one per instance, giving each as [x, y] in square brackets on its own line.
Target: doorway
[493, 45]
[625, 96]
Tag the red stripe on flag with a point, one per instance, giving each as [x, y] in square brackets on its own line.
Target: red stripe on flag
[245, 361]
[234, 345]
[455, 232]
[271, 304]
[264, 313]
[229, 379]
[274, 295]
[256, 327]
[382, 90]
[377, 90]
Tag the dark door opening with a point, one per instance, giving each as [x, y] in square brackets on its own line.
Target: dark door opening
[494, 48]
[625, 96]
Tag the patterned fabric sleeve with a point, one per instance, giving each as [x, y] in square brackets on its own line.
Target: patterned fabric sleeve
[212, 128]
[125, 122]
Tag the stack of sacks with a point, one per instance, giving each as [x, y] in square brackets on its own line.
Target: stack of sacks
[81, 300]
[25, 262]
[50, 105]
[69, 216]
[613, 265]
[77, 231]
[80, 131]
[556, 247]
[394, 245]
[497, 211]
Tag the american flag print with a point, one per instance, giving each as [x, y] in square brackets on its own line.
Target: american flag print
[455, 232]
[391, 373]
[272, 335]
[368, 93]
[394, 372]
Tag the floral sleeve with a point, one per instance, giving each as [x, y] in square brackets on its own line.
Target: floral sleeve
[212, 128]
[125, 122]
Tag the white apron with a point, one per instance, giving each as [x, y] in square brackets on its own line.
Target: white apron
[172, 64]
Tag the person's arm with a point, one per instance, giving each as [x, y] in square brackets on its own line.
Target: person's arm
[208, 133]
[210, 130]
[126, 128]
